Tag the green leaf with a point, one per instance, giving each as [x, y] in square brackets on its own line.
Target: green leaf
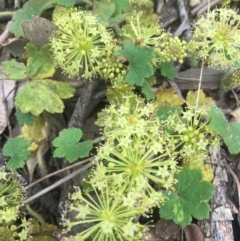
[40, 64]
[104, 10]
[68, 145]
[165, 110]
[17, 148]
[230, 132]
[24, 118]
[14, 70]
[30, 9]
[66, 3]
[147, 91]
[139, 63]
[40, 95]
[121, 6]
[190, 198]
[232, 138]
[167, 70]
[218, 121]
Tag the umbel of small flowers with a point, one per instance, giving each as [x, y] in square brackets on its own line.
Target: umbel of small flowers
[80, 42]
[192, 135]
[136, 150]
[166, 49]
[11, 196]
[216, 38]
[11, 199]
[106, 215]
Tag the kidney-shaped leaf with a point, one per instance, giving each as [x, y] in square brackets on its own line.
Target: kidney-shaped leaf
[17, 148]
[40, 95]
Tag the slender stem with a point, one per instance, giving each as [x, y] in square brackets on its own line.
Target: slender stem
[35, 215]
[41, 163]
[59, 171]
[199, 87]
[98, 140]
[58, 183]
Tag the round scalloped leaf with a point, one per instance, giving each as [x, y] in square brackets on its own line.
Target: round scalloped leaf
[17, 148]
[14, 70]
[68, 145]
[39, 65]
[43, 95]
[189, 199]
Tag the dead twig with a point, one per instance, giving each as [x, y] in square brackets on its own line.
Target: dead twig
[205, 8]
[58, 183]
[5, 34]
[238, 187]
[185, 25]
[57, 172]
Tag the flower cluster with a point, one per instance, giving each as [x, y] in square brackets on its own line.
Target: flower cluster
[11, 197]
[135, 160]
[136, 148]
[192, 135]
[143, 34]
[232, 81]
[80, 42]
[216, 38]
[111, 216]
[166, 49]
[172, 50]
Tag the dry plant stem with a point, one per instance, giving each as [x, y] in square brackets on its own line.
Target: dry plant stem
[6, 109]
[235, 96]
[58, 183]
[199, 87]
[237, 183]
[5, 34]
[175, 87]
[189, 79]
[6, 16]
[57, 172]
[200, 6]
[208, 6]
[41, 163]
[83, 106]
[185, 25]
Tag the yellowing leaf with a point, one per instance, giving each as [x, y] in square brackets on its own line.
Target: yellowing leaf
[39, 65]
[35, 132]
[43, 95]
[204, 102]
[33, 147]
[14, 70]
[167, 96]
[206, 169]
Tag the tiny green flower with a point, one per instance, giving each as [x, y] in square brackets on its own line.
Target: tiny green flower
[216, 38]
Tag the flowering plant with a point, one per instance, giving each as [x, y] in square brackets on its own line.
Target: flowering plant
[149, 149]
